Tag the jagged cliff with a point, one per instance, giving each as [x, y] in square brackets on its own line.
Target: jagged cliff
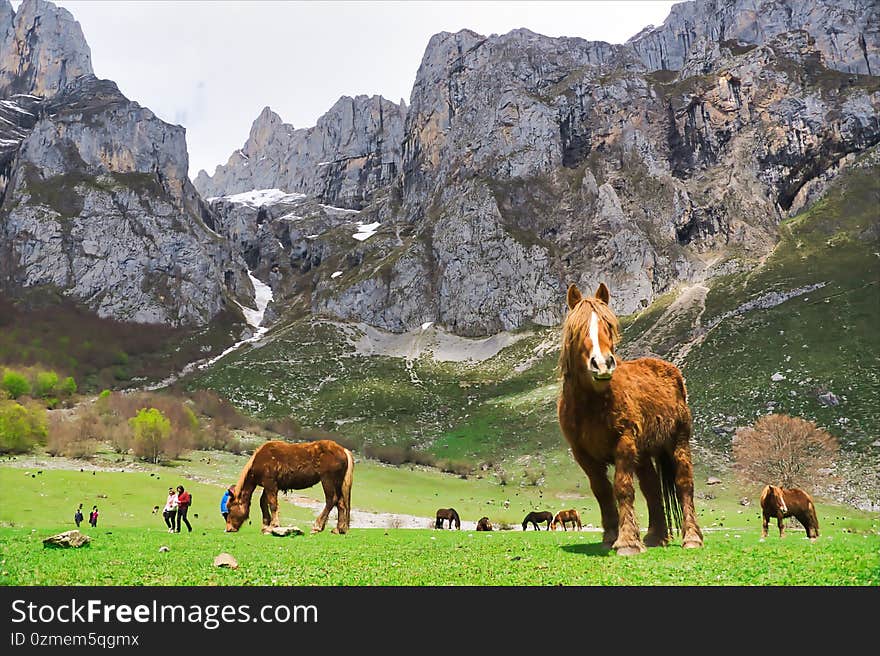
[353, 150]
[96, 202]
[529, 162]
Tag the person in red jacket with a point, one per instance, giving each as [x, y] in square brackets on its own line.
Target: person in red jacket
[184, 500]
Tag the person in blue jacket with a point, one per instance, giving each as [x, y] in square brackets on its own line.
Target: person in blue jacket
[225, 501]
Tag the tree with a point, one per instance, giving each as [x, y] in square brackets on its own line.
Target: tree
[21, 427]
[151, 430]
[15, 383]
[785, 451]
[45, 384]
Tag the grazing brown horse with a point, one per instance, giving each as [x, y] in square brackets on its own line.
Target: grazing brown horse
[449, 515]
[629, 414]
[535, 518]
[484, 524]
[563, 516]
[278, 465]
[782, 502]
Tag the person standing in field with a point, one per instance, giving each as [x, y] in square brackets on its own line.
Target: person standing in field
[184, 500]
[224, 502]
[169, 512]
[93, 517]
[78, 515]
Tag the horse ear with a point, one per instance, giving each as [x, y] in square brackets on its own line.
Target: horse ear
[602, 293]
[574, 296]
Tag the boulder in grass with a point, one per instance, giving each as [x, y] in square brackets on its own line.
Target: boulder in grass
[284, 531]
[225, 560]
[67, 539]
[713, 480]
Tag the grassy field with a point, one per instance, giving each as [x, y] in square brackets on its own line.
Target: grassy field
[126, 542]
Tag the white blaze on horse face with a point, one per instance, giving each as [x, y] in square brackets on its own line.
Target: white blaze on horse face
[596, 351]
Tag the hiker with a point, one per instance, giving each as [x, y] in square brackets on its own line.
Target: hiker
[184, 500]
[224, 502]
[93, 517]
[78, 515]
[169, 512]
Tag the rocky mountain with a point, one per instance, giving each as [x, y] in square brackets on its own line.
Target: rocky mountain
[95, 201]
[529, 162]
[353, 150]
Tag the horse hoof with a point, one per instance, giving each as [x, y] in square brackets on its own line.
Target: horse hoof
[654, 541]
[631, 550]
[692, 544]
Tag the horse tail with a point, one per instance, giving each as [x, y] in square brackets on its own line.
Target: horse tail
[346, 484]
[671, 504]
[457, 519]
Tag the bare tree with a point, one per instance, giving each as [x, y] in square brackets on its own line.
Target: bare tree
[785, 451]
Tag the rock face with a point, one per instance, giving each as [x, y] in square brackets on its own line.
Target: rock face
[43, 49]
[530, 162]
[96, 201]
[352, 151]
[847, 32]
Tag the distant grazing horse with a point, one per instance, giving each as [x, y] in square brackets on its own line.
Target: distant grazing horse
[629, 414]
[782, 502]
[278, 465]
[450, 515]
[484, 524]
[534, 518]
[564, 516]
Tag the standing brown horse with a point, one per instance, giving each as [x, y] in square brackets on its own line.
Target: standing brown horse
[630, 414]
[278, 465]
[534, 518]
[782, 502]
[563, 516]
[449, 515]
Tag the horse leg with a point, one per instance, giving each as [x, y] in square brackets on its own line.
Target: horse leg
[764, 526]
[341, 514]
[271, 495]
[264, 508]
[692, 536]
[600, 485]
[649, 483]
[628, 541]
[780, 521]
[329, 502]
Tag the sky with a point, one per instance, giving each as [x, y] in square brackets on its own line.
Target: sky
[211, 66]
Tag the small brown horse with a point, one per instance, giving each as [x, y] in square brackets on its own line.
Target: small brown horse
[563, 516]
[484, 524]
[782, 502]
[448, 514]
[630, 414]
[278, 465]
[535, 518]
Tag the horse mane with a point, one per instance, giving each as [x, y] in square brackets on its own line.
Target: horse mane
[239, 486]
[577, 323]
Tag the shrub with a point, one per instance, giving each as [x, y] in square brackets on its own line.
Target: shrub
[74, 438]
[150, 431]
[68, 386]
[16, 384]
[21, 427]
[785, 451]
[45, 383]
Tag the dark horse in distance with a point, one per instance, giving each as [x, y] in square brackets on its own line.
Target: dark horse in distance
[278, 465]
[448, 514]
[535, 518]
[632, 414]
[484, 524]
[782, 502]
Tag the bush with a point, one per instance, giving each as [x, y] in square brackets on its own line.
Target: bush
[785, 451]
[15, 384]
[74, 438]
[45, 383]
[21, 427]
[68, 386]
[150, 431]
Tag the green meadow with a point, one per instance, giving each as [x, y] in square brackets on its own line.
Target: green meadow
[124, 549]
